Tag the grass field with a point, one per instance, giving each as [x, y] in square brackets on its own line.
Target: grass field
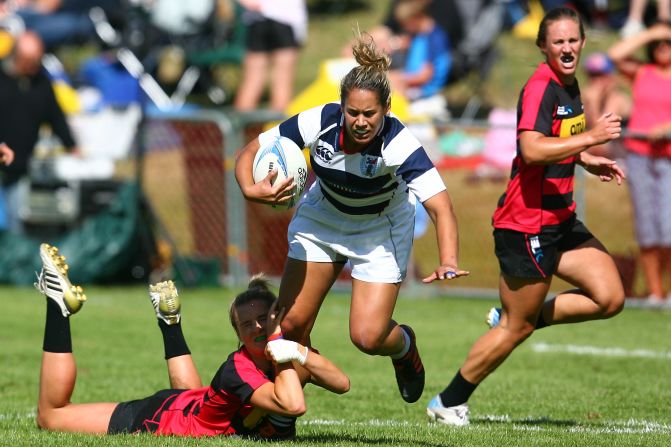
[599, 383]
[596, 384]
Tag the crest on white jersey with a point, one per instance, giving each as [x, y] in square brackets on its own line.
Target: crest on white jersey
[370, 165]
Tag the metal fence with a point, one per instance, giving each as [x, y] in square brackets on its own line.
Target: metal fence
[188, 177]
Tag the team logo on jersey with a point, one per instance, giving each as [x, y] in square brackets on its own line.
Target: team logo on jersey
[370, 165]
[536, 249]
[572, 126]
[324, 151]
[564, 110]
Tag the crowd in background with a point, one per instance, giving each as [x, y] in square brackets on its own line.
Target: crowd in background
[433, 43]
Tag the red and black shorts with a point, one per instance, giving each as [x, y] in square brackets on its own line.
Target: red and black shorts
[524, 255]
[141, 415]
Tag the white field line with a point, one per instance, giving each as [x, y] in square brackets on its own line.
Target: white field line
[18, 416]
[600, 352]
[631, 426]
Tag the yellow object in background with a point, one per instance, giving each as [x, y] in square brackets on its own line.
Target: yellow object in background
[67, 97]
[527, 28]
[6, 43]
[326, 88]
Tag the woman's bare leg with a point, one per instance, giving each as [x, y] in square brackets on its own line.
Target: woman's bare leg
[54, 410]
[652, 271]
[283, 63]
[254, 69]
[600, 295]
[58, 372]
[302, 298]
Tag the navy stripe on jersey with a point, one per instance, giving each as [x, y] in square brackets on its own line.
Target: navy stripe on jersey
[557, 201]
[290, 129]
[358, 210]
[350, 184]
[415, 165]
[560, 170]
[347, 192]
[377, 178]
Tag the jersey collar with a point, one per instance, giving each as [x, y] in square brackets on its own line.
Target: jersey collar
[341, 135]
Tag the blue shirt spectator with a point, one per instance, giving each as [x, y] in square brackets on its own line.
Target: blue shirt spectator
[427, 63]
[432, 48]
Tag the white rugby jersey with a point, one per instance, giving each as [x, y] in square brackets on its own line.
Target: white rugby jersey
[373, 181]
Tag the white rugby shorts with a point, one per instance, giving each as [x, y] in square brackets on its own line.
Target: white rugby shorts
[378, 247]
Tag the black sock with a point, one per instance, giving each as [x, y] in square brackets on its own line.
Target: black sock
[174, 343]
[458, 391]
[57, 336]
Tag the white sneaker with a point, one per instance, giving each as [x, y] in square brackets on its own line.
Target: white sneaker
[631, 28]
[654, 302]
[457, 415]
[165, 299]
[493, 317]
[54, 283]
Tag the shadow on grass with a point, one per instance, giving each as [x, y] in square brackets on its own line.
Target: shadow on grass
[528, 421]
[333, 438]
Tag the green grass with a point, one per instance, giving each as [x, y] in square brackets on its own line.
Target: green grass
[535, 398]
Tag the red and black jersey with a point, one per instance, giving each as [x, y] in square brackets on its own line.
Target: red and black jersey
[223, 408]
[540, 196]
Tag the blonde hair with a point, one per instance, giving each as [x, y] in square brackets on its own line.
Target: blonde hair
[370, 74]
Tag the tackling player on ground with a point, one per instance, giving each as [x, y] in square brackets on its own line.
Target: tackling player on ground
[257, 392]
[536, 232]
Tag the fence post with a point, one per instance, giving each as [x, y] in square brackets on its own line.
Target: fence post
[239, 255]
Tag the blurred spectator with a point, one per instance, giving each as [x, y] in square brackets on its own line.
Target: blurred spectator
[275, 32]
[635, 18]
[27, 101]
[6, 158]
[390, 36]
[471, 26]
[500, 146]
[648, 143]
[602, 93]
[60, 22]
[473, 31]
[428, 60]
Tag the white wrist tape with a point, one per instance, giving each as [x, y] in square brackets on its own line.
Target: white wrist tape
[283, 351]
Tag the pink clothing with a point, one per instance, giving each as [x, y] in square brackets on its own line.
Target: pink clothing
[651, 107]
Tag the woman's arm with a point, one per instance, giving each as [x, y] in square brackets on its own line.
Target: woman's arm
[537, 148]
[6, 154]
[296, 365]
[310, 365]
[419, 77]
[660, 132]
[320, 371]
[283, 396]
[604, 168]
[623, 51]
[439, 208]
[264, 191]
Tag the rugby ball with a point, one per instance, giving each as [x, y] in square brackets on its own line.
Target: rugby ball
[285, 156]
